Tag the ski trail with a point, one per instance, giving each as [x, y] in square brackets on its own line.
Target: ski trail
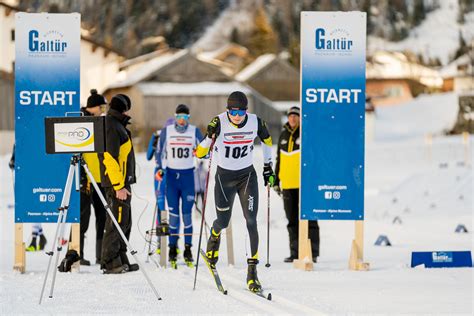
[297, 309]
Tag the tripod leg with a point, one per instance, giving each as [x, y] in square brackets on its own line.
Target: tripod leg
[61, 219]
[125, 240]
[51, 253]
[58, 253]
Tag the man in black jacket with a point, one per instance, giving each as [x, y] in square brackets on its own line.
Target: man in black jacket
[95, 104]
[287, 184]
[118, 174]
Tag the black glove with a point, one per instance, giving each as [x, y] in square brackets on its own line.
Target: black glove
[268, 175]
[71, 257]
[212, 127]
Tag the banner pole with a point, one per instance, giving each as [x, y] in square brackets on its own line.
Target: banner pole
[20, 257]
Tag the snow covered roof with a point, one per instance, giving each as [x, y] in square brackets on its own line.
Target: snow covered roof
[251, 70]
[284, 106]
[227, 48]
[393, 65]
[428, 114]
[452, 70]
[193, 89]
[148, 68]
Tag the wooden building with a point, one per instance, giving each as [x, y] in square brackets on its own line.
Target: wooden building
[273, 77]
[158, 85]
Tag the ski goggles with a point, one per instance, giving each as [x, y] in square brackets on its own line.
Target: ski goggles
[182, 116]
[235, 112]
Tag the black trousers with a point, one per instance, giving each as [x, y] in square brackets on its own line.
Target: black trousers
[244, 183]
[114, 249]
[292, 205]
[100, 216]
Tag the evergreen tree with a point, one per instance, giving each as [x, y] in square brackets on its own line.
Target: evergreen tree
[418, 12]
[262, 40]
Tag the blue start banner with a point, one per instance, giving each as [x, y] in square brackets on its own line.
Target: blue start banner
[47, 83]
[333, 115]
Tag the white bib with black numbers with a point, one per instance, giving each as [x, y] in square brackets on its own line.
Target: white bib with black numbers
[234, 146]
[179, 147]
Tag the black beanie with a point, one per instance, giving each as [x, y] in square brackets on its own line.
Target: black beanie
[121, 103]
[237, 99]
[182, 108]
[95, 99]
[293, 110]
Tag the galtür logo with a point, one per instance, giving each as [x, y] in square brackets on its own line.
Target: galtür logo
[336, 40]
[50, 42]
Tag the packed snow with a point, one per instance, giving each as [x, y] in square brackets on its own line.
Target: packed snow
[426, 115]
[428, 187]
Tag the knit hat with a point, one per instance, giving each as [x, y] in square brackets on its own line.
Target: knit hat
[237, 99]
[95, 99]
[121, 103]
[182, 108]
[293, 110]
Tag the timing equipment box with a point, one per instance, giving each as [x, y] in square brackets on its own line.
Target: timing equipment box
[83, 134]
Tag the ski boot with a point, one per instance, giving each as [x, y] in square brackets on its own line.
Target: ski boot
[252, 280]
[212, 252]
[188, 256]
[173, 256]
[32, 246]
[42, 242]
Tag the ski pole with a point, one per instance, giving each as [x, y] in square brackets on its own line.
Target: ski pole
[203, 211]
[268, 227]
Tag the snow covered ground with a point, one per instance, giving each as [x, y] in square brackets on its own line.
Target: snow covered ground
[436, 37]
[428, 187]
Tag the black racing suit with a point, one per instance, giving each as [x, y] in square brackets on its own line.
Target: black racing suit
[242, 182]
[117, 172]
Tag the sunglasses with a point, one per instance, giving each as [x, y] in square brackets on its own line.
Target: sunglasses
[235, 112]
[182, 116]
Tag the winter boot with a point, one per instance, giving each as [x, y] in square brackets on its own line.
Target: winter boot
[42, 242]
[32, 246]
[173, 256]
[212, 252]
[252, 280]
[188, 255]
[85, 262]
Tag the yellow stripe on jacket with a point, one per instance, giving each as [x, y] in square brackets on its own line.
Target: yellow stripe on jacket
[289, 174]
[92, 161]
[117, 170]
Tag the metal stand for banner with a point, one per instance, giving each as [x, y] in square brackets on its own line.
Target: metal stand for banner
[76, 161]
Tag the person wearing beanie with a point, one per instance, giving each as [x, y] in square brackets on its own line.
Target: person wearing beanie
[178, 142]
[88, 194]
[233, 133]
[118, 174]
[287, 183]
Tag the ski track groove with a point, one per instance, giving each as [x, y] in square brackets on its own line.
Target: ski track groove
[297, 309]
[239, 295]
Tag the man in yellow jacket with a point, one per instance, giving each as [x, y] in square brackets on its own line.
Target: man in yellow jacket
[287, 184]
[118, 174]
